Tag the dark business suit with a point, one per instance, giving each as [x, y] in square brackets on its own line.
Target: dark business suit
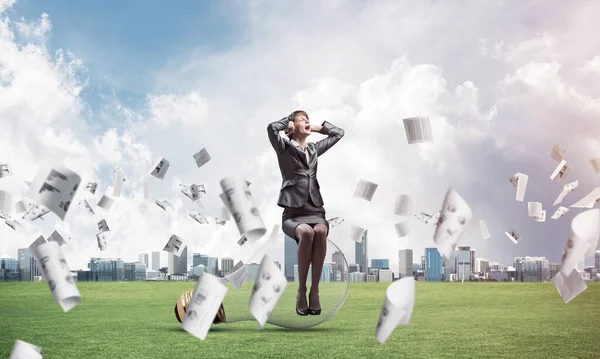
[300, 194]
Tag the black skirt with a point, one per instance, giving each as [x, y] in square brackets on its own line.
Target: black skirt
[307, 214]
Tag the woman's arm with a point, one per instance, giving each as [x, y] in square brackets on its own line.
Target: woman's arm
[334, 134]
[273, 130]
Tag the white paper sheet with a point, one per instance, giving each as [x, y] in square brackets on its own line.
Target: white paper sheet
[5, 170]
[569, 286]
[14, 224]
[164, 205]
[105, 202]
[397, 307]
[33, 247]
[454, 219]
[595, 162]
[238, 199]
[101, 240]
[534, 209]
[582, 241]
[557, 153]
[432, 219]
[365, 190]
[103, 226]
[405, 205]
[418, 130]
[86, 207]
[175, 245]
[118, 182]
[561, 171]
[561, 211]
[91, 187]
[20, 207]
[541, 217]
[193, 192]
[356, 233]
[198, 218]
[201, 157]
[24, 350]
[589, 201]
[568, 188]
[513, 236]
[335, 221]
[160, 169]
[401, 229]
[238, 275]
[54, 188]
[6, 201]
[268, 288]
[58, 276]
[58, 237]
[520, 180]
[35, 212]
[206, 301]
[484, 230]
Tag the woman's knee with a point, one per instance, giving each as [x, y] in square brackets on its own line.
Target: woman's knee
[320, 230]
[304, 232]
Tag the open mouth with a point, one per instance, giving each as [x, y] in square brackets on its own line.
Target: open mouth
[307, 127]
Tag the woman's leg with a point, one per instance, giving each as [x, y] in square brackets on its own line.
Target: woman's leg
[304, 234]
[319, 250]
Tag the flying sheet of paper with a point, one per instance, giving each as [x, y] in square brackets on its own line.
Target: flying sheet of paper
[534, 209]
[582, 241]
[429, 218]
[54, 188]
[238, 199]
[335, 221]
[105, 202]
[595, 162]
[418, 130]
[58, 276]
[484, 230]
[198, 218]
[24, 350]
[268, 288]
[590, 200]
[4, 215]
[164, 204]
[101, 240]
[160, 169]
[174, 245]
[561, 211]
[206, 301]
[5, 170]
[557, 153]
[103, 226]
[356, 233]
[193, 191]
[238, 275]
[513, 236]
[118, 183]
[91, 187]
[519, 180]
[5, 202]
[569, 286]
[146, 190]
[397, 307]
[568, 188]
[454, 218]
[85, 206]
[14, 224]
[20, 207]
[401, 229]
[35, 212]
[365, 190]
[405, 205]
[561, 171]
[541, 217]
[58, 237]
[201, 157]
[33, 247]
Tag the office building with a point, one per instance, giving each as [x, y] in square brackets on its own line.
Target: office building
[339, 264]
[9, 269]
[353, 267]
[361, 255]
[27, 266]
[482, 266]
[134, 271]
[226, 265]
[385, 275]
[423, 262]
[449, 266]
[143, 258]
[405, 263]
[416, 267]
[358, 277]
[597, 261]
[554, 269]
[380, 263]
[463, 267]
[212, 265]
[156, 261]
[433, 265]
[198, 259]
[532, 269]
[290, 257]
[106, 269]
[178, 265]
[472, 253]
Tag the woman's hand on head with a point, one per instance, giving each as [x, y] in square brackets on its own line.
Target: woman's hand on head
[289, 131]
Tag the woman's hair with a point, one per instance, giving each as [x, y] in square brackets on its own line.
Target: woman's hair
[293, 117]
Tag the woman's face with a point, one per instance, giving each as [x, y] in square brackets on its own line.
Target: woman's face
[301, 126]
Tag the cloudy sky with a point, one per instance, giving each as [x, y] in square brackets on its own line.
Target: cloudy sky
[95, 86]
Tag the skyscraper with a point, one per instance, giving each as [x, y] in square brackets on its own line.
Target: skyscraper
[464, 263]
[198, 259]
[143, 258]
[405, 262]
[339, 264]
[178, 265]
[449, 266]
[290, 257]
[597, 261]
[482, 265]
[26, 264]
[380, 263]
[433, 265]
[226, 265]
[361, 253]
[156, 261]
[472, 252]
[532, 269]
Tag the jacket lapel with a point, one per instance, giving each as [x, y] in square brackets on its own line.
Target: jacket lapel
[299, 153]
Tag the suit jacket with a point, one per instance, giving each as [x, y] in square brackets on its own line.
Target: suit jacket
[299, 176]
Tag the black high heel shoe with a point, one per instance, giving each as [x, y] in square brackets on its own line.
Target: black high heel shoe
[313, 311]
[301, 312]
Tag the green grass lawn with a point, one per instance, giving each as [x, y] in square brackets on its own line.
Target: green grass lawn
[450, 320]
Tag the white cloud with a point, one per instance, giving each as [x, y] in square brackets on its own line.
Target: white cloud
[497, 106]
